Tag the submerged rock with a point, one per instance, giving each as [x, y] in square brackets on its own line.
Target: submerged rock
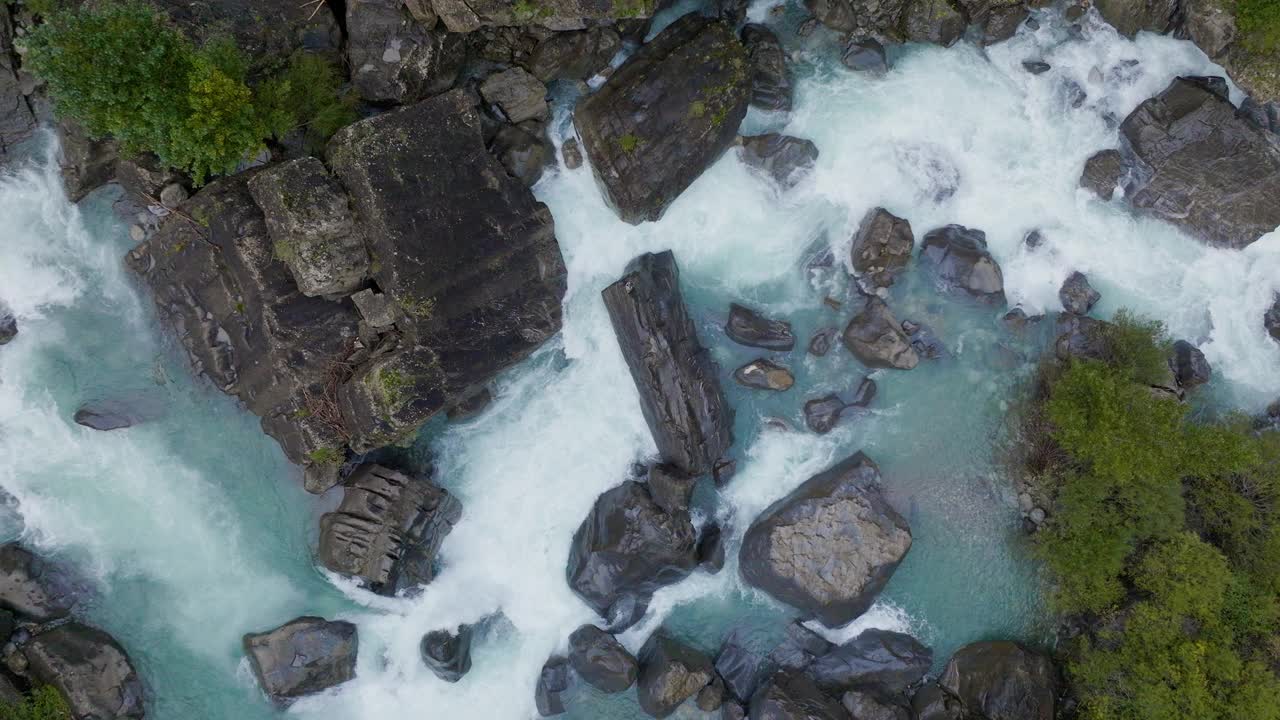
[388, 529]
[1036, 67]
[882, 246]
[89, 669]
[394, 57]
[309, 218]
[104, 416]
[830, 545]
[1001, 681]
[680, 393]
[770, 80]
[601, 660]
[302, 657]
[670, 673]
[1103, 173]
[447, 654]
[33, 588]
[783, 158]
[627, 548]
[1271, 320]
[762, 374]
[791, 695]
[961, 260]
[875, 337]
[822, 414]
[1212, 173]
[1077, 295]
[663, 117]
[875, 657]
[820, 343]
[748, 327]
[553, 682]
[924, 341]
[1189, 365]
[479, 293]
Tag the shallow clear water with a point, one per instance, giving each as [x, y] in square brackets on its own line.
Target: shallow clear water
[195, 530]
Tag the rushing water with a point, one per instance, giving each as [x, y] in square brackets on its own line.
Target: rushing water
[194, 530]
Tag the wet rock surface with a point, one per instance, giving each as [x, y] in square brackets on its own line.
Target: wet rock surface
[601, 661]
[89, 668]
[791, 695]
[1212, 173]
[388, 529]
[783, 158]
[447, 653]
[680, 393]
[764, 375]
[822, 414]
[1077, 295]
[302, 657]
[670, 487]
[866, 55]
[663, 117]
[1189, 365]
[875, 337]
[553, 683]
[748, 327]
[960, 258]
[875, 657]
[871, 705]
[1103, 172]
[627, 548]
[670, 673]
[829, 546]
[882, 246]
[1001, 681]
[770, 81]
[394, 57]
[17, 120]
[33, 587]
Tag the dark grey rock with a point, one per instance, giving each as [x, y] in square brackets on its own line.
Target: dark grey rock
[302, 657]
[731, 710]
[924, 341]
[553, 682]
[762, 374]
[89, 669]
[748, 327]
[626, 611]
[87, 162]
[741, 669]
[1271, 319]
[388, 529]
[1003, 22]
[882, 246]
[446, 653]
[822, 414]
[519, 95]
[1211, 173]
[1001, 681]
[800, 646]
[785, 159]
[1082, 337]
[711, 549]
[680, 393]
[711, 697]
[1131, 16]
[852, 16]
[524, 155]
[470, 407]
[865, 393]
[395, 58]
[670, 487]
[791, 695]
[111, 414]
[770, 80]
[875, 337]
[1103, 172]
[669, 112]
[1033, 239]
[960, 259]
[935, 21]
[1036, 67]
[670, 673]
[8, 325]
[574, 55]
[17, 119]
[874, 658]
[931, 702]
[309, 218]
[830, 545]
[464, 16]
[601, 660]
[261, 28]
[1189, 365]
[873, 705]
[865, 54]
[571, 153]
[376, 308]
[629, 547]
[33, 588]
[1077, 295]
[820, 343]
[480, 292]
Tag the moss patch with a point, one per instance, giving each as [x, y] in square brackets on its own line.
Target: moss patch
[392, 388]
[630, 143]
[326, 456]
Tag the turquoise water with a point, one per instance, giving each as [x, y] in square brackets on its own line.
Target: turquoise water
[194, 529]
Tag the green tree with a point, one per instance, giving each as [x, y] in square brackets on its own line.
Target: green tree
[44, 703]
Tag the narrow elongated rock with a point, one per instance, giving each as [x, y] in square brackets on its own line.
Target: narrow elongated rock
[680, 393]
[830, 545]
[748, 327]
[669, 112]
[388, 529]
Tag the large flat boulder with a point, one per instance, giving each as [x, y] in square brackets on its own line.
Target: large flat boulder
[627, 548]
[880, 658]
[791, 695]
[1212, 173]
[876, 338]
[666, 115]
[396, 58]
[1131, 16]
[90, 670]
[679, 383]
[460, 246]
[462, 16]
[302, 657]
[388, 529]
[670, 673]
[244, 322]
[829, 546]
[960, 261]
[1001, 681]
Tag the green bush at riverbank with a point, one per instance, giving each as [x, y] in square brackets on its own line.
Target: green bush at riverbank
[122, 70]
[44, 703]
[1165, 535]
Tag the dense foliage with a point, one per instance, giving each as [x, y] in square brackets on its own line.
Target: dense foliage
[1166, 534]
[1259, 24]
[122, 70]
[44, 703]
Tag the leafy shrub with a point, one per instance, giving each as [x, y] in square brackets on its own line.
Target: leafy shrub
[44, 703]
[306, 95]
[1259, 24]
